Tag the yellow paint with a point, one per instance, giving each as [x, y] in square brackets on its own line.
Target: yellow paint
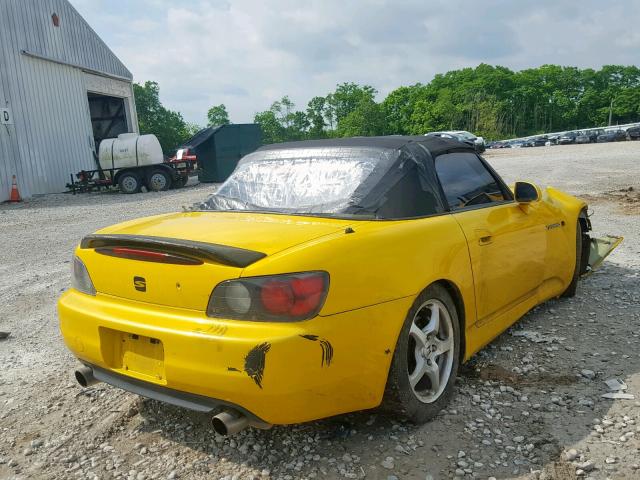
[502, 259]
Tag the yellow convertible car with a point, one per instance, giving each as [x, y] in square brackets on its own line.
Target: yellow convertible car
[321, 278]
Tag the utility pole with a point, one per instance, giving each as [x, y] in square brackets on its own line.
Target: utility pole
[610, 110]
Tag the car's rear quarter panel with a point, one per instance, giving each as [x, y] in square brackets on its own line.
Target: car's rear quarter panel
[382, 261]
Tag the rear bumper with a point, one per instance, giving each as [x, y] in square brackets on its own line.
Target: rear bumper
[187, 400]
[279, 373]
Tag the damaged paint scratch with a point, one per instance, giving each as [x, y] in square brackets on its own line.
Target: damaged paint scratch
[255, 360]
[325, 345]
[232, 369]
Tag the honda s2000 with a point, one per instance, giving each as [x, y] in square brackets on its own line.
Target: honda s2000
[321, 278]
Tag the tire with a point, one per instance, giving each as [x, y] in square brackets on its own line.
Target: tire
[129, 182]
[573, 286]
[422, 402]
[158, 180]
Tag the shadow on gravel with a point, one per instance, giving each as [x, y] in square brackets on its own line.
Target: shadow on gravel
[519, 405]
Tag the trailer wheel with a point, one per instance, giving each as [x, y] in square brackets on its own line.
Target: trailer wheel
[158, 180]
[129, 182]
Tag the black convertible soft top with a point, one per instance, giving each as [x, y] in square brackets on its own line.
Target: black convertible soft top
[374, 177]
[435, 145]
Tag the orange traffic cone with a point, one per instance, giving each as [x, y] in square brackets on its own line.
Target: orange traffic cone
[15, 195]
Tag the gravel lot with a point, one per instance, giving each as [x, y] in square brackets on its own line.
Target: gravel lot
[527, 406]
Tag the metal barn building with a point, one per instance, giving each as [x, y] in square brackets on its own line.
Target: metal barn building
[61, 91]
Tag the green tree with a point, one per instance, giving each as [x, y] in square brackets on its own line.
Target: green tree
[316, 117]
[491, 101]
[272, 129]
[217, 115]
[366, 119]
[347, 97]
[282, 123]
[399, 107]
[154, 118]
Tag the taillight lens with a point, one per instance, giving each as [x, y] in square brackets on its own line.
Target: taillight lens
[80, 279]
[290, 297]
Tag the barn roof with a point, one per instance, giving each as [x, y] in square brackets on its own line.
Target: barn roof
[29, 27]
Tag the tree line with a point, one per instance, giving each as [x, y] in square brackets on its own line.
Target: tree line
[491, 101]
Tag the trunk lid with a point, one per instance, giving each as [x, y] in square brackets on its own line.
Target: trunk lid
[223, 243]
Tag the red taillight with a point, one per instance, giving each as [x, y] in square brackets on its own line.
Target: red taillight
[277, 297]
[287, 297]
[148, 255]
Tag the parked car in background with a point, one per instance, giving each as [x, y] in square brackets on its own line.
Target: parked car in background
[612, 136]
[593, 135]
[582, 137]
[540, 141]
[552, 139]
[633, 133]
[567, 138]
[463, 136]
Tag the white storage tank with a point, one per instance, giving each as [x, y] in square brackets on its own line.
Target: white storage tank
[129, 150]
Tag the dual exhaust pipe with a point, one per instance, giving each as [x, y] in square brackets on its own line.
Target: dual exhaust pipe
[227, 422]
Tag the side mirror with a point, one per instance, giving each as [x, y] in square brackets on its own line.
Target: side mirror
[526, 192]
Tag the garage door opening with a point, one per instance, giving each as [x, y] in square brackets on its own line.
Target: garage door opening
[108, 117]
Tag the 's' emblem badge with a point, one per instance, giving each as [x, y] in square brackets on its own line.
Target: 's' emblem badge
[140, 284]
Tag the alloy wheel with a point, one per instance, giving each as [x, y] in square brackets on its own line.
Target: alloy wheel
[431, 351]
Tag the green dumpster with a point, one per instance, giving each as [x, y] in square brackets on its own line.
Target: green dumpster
[218, 149]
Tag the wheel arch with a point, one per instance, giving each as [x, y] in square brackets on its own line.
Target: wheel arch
[161, 166]
[458, 301]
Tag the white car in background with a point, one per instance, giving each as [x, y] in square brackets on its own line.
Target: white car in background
[463, 136]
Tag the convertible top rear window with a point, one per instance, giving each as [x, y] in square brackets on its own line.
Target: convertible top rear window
[319, 180]
[380, 177]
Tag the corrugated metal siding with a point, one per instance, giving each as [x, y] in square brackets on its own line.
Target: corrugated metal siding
[74, 41]
[58, 126]
[51, 135]
[8, 145]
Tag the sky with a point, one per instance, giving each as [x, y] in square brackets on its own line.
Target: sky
[249, 53]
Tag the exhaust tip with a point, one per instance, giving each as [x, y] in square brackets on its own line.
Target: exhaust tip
[84, 376]
[219, 426]
[229, 422]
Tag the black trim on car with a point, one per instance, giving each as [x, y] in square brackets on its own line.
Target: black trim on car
[191, 401]
[232, 256]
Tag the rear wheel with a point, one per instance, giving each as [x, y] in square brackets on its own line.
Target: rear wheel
[573, 286]
[158, 180]
[425, 361]
[129, 182]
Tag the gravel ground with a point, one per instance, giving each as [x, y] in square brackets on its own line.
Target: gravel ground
[527, 406]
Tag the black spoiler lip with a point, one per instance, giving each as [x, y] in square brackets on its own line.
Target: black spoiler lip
[232, 256]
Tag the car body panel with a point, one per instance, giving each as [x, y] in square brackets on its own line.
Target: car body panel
[600, 248]
[189, 286]
[364, 265]
[497, 260]
[360, 323]
[262, 232]
[299, 381]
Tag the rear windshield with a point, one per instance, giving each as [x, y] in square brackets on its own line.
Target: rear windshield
[315, 180]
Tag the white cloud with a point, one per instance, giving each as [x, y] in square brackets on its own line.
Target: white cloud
[248, 53]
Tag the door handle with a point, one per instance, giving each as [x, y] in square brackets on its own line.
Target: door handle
[484, 237]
